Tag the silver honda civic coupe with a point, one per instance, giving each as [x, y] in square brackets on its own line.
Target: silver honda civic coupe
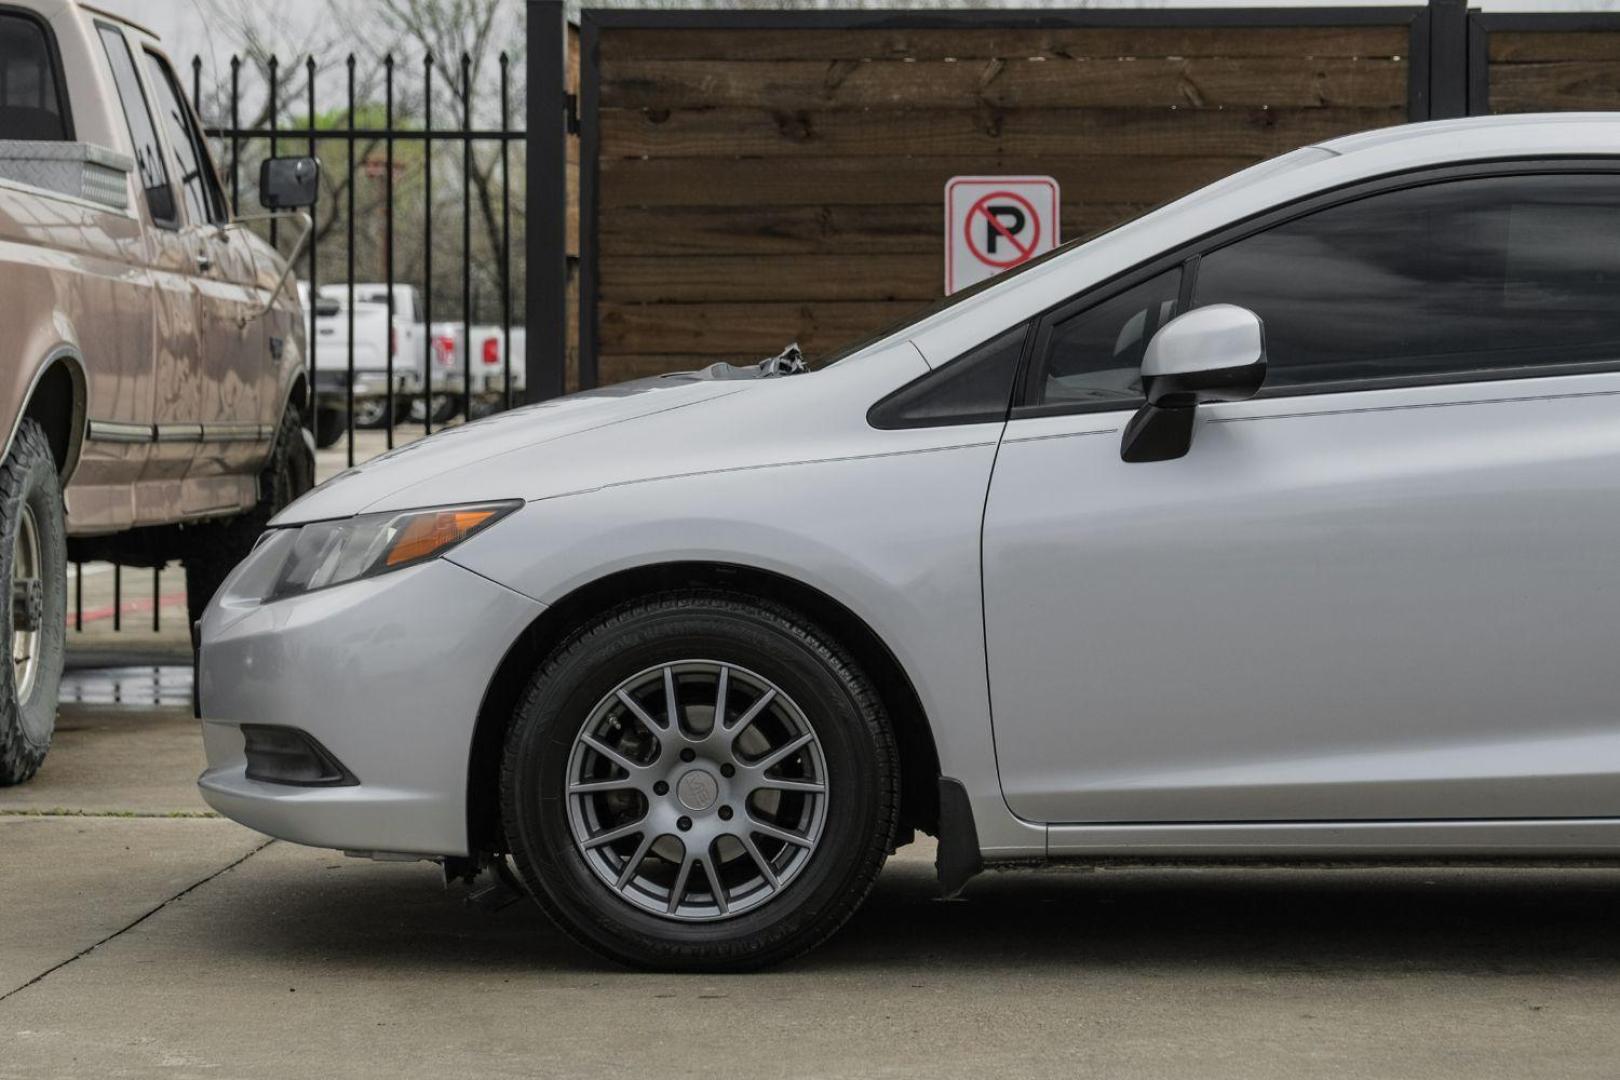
[1281, 522]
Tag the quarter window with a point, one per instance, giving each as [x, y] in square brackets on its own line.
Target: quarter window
[1095, 355]
[1461, 276]
[974, 388]
[154, 175]
[31, 105]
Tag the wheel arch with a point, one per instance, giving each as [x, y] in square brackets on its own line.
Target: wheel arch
[57, 399]
[297, 394]
[919, 758]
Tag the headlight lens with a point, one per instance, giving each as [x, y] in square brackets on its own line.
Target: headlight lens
[327, 553]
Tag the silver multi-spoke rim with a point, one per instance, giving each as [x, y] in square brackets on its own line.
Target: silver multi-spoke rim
[697, 790]
[26, 597]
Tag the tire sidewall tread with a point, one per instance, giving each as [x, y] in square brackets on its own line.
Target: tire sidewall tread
[28, 475]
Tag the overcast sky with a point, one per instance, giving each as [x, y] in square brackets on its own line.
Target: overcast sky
[184, 31]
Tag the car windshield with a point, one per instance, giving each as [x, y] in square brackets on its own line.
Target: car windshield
[1294, 159]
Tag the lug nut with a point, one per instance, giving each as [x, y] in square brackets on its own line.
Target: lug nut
[683, 824]
[660, 788]
[725, 813]
[688, 754]
[728, 769]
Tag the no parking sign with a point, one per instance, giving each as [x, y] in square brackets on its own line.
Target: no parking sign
[993, 223]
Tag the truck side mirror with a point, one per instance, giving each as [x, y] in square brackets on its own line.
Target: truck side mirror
[289, 183]
[1213, 353]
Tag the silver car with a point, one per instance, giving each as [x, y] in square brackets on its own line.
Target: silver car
[1281, 522]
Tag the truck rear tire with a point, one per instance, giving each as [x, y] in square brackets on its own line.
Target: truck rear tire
[331, 424]
[289, 472]
[33, 557]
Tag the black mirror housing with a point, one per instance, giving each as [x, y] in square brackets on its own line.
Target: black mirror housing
[289, 183]
[1213, 353]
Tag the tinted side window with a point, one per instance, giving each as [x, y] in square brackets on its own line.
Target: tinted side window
[976, 387]
[204, 199]
[30, 92]
[1095, 355]
[148, 151]
[1461, 276]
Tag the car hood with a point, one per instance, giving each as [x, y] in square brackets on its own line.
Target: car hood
[672, 425]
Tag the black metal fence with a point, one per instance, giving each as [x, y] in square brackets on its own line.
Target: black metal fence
[430, 135]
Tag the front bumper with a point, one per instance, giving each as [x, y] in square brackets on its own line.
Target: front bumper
[387, 673]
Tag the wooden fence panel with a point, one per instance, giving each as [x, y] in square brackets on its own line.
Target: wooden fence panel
[755, 187]
[1549, 70]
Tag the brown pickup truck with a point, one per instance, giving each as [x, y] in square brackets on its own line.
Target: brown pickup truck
[153, 386]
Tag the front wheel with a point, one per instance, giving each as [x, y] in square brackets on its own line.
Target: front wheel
[699, 781]
[33, 556]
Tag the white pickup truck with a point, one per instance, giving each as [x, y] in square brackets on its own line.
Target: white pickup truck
[376, 337]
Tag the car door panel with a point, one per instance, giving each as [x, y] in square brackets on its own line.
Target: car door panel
[1382, 605]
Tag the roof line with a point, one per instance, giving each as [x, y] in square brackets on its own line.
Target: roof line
[115, 17]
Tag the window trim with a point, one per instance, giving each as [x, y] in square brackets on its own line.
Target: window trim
[168, 224]
[194, 132]
[54, 53]
[1188, 255]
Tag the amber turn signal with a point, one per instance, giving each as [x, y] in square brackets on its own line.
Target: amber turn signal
[428, 534]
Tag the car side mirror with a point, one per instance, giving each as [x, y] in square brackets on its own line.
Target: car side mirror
[289, 183]
[1213, 353]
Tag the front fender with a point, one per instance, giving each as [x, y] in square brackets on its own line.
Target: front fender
[892, 537]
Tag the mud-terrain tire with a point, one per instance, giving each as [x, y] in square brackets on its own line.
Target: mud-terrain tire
[287, 474]
[33, 543]
[815, 883]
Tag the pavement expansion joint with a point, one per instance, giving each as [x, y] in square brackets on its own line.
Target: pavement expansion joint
[133, 923]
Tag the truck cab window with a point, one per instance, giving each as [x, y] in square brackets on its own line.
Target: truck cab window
[143, 135]
[32, 105]
[205, 200]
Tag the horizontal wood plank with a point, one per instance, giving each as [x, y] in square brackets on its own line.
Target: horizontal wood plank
[1554, 86]
[753, 328]
[646, 279]
[809, 230]
[865, 181]
[619, 45]
[634, 133]
[1528, 46]
[1276, 83]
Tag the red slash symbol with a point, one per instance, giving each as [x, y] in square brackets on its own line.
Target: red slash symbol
[993, 208]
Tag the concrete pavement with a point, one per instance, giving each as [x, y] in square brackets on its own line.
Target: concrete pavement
[189, 947]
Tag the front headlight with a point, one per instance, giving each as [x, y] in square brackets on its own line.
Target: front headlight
[326, 553]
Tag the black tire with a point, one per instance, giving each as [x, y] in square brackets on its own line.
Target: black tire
[331, 424]
[835, 697]
[29, 485]
[446, 407]
[287, 474]
[371, 414]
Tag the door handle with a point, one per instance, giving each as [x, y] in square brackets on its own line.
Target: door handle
[205, 261]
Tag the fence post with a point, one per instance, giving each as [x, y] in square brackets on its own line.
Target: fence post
[1448, 59]
[546, 198]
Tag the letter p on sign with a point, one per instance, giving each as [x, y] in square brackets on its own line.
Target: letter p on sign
[993, 223]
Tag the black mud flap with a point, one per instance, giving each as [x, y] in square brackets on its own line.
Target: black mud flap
[957, 859]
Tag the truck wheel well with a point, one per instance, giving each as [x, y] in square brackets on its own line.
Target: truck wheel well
[57, 405]
[919, 760]
[299, 396]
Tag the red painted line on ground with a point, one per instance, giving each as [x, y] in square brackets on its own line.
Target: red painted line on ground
[129, 607]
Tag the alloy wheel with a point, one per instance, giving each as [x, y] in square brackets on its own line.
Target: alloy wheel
[697, 790]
